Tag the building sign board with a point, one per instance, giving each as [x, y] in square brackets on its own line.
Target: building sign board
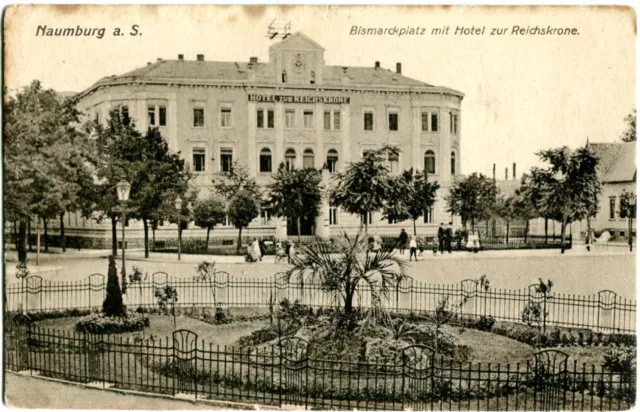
[264, 98]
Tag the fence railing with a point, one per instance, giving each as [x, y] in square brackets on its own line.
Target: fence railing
[604, 311]
[287, 373]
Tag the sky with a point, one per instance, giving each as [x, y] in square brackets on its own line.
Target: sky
[523, 93]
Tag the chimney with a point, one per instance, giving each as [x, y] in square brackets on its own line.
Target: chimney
[377, 65]
[200, 57]
[181, 57]
[506, 173]
[494, 172]
[253, 60]
[399, 68]
[514, 170]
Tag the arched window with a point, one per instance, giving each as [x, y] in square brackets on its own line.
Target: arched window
[313, 78]
[430, 162]
[290, 159]
[265, 160]
[453, 163]
[332, 161]
[284, 76]
[308, 159]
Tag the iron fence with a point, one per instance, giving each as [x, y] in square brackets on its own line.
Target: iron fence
[604, 311]
[287, 374]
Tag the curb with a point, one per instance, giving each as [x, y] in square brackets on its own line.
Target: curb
[205, 402]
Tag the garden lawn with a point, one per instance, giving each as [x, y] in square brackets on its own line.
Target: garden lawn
[492, 348]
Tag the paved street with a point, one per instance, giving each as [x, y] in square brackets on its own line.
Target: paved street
[576, 272]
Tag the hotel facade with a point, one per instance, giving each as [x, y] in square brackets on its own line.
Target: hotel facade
[293, 109]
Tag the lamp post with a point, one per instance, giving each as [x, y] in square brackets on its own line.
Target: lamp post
[179, 208]
[631, 212]
[123, 187]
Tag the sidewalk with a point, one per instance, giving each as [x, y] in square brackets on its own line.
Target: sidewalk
[23, 391]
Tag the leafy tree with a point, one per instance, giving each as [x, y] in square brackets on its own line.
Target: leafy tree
[184, 215]
[629, 135]
[534, 312]
[242, 210]
[506, 209]
[113, 305]
[472, 198]
[295, 194]
[209, 212]
[344, 269]
[422, 196]
[523, 208]
[570, 185]
[366, 186]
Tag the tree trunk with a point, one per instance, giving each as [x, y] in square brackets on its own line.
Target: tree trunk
[114, 236]
[15, 233]
[239, 244]
[487, 224]
[206, 243]
[38, 241]
[473, 224]
[546, 230]
[145, 225]
[63, 240]
[526, 230]
[588, 237]
[153, 237]
[298, 226]
[507, 233]
[414, 228]
[45, 222]
[562, 233]
[348, 301]
[29, 235]
[21, 244]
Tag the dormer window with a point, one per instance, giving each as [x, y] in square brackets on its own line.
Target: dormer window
[313, 78]
[284, 76]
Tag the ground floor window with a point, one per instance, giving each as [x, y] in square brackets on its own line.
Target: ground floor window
[428, 215]
[333, 216]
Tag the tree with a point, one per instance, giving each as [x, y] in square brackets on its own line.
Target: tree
[181, 217]
[167, 296]
[113, 305]
[242, 210]
[523, 208]
[366, 186]
[472, 198]
[570, 185]
[629, 135]
[209, 212]
[505, 208]
[344, 269]
[295, 194]
[422, 196]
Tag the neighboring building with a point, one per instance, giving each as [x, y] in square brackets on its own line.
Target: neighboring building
[293, 109]
[617, 173]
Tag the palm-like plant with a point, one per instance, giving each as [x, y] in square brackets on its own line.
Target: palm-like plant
[343, 269]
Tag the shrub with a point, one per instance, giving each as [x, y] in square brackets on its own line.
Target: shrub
[113, 305]
[222, 317]
[99, 324]
[621, 360]
[258, 337]
[485, 323]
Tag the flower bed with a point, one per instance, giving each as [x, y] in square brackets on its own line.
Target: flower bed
[100, 324]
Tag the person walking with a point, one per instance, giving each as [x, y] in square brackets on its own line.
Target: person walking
[413, 248]
[262, 247]
[449, 236]
[441, 235]
[403, 241]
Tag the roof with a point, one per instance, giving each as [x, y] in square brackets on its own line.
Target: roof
[617, 161]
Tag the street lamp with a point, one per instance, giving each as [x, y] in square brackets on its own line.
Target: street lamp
[123, 187]
[179, 208]
[631, 211]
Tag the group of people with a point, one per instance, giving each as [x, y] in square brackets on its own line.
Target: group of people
[256, 250]
[445, 240]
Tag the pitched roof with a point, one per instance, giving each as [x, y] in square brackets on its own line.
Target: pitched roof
[617, 161]
[297, 41]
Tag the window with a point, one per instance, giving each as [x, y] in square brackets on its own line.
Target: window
[368, 120]
[284, 76]
[327, 120]
[290, 159]
[260, 119]
[333, 215]
[308, 159]
[308, 119]
[163, 115]
[124, 114]
[289, 119]
[266, 216]
[265, 161]
[434, 122]
[393, 122]
[226, 159]
[313, 78]
[453, 126]
[198, 159]
[428, 215]
[453, 163]
[366, 217]
[612, 208]
[430, 162]
[270, 119]
[225, 117]
[332, 161]
[425, 122]
[394, 162]
[198, 117]
[336, 119]
[152, 115]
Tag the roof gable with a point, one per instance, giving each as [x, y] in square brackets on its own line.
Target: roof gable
[297, 41]
[623, 168]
